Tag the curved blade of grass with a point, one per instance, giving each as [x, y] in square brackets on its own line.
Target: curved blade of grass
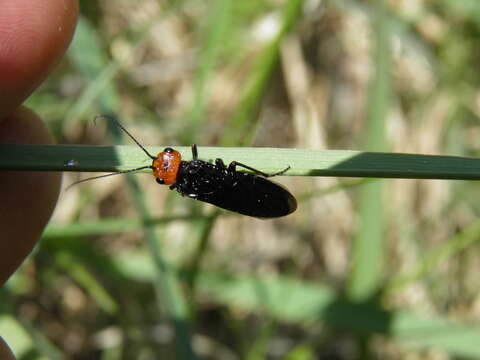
[339, 163]
[432, 260]
[366, 274]
[88, 56]
[299, 302]
[24, 338]
[110, 226]
[214, 35]
[169, 296]
[290, 300]
[167, 287]
[344, 185]
[242, 124]
[81, 275]
[123, 225]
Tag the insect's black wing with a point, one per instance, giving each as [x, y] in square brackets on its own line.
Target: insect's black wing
[235, 191]
[256, 196]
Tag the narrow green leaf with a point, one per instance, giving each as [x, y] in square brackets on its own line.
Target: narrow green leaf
[215, 33]
[433, 259]
[242, 124]
[339, 163]
[88, 56]
[287, 299]
[368, 249]
[110, 226]
[18, 339]
[87, 281]
[23, 337]
[169, 297]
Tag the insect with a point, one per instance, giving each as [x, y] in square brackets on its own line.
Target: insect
[217, 184]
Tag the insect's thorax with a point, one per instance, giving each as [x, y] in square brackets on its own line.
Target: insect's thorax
[198, 176]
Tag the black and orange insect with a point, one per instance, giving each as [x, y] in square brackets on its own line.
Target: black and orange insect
[218, 184]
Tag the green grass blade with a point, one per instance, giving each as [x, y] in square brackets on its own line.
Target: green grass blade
[169, 296]
[124, 225]
[308, 304]
[339, 163]
[111, 226]
[214, 39]
[242, 124]
[24, 338]
[287, 299]
[218, 27]
[84, 278]
[167, 286]
[88, 56]
[432, 260]
[368, 246]
[168, 291]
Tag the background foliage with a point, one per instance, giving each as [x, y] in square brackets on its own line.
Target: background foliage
[364, 268]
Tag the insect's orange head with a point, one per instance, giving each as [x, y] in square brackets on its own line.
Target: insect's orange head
[166, 166]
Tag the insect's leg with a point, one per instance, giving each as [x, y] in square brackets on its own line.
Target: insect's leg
[220, 164]
[173, 186]
[194, 152]
[234, 164]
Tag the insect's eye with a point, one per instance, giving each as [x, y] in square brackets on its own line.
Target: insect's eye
[160, 181]
[168, 150]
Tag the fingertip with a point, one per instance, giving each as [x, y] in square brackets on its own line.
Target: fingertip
[33, 37]
[28, 198]
[5, 352]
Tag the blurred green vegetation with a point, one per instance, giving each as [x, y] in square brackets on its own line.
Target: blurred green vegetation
[364, 269]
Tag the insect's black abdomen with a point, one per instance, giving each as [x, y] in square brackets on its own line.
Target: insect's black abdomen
[235, 191]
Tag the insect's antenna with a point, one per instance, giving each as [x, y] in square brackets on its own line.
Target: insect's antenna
[111, 118]
[107, 175]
